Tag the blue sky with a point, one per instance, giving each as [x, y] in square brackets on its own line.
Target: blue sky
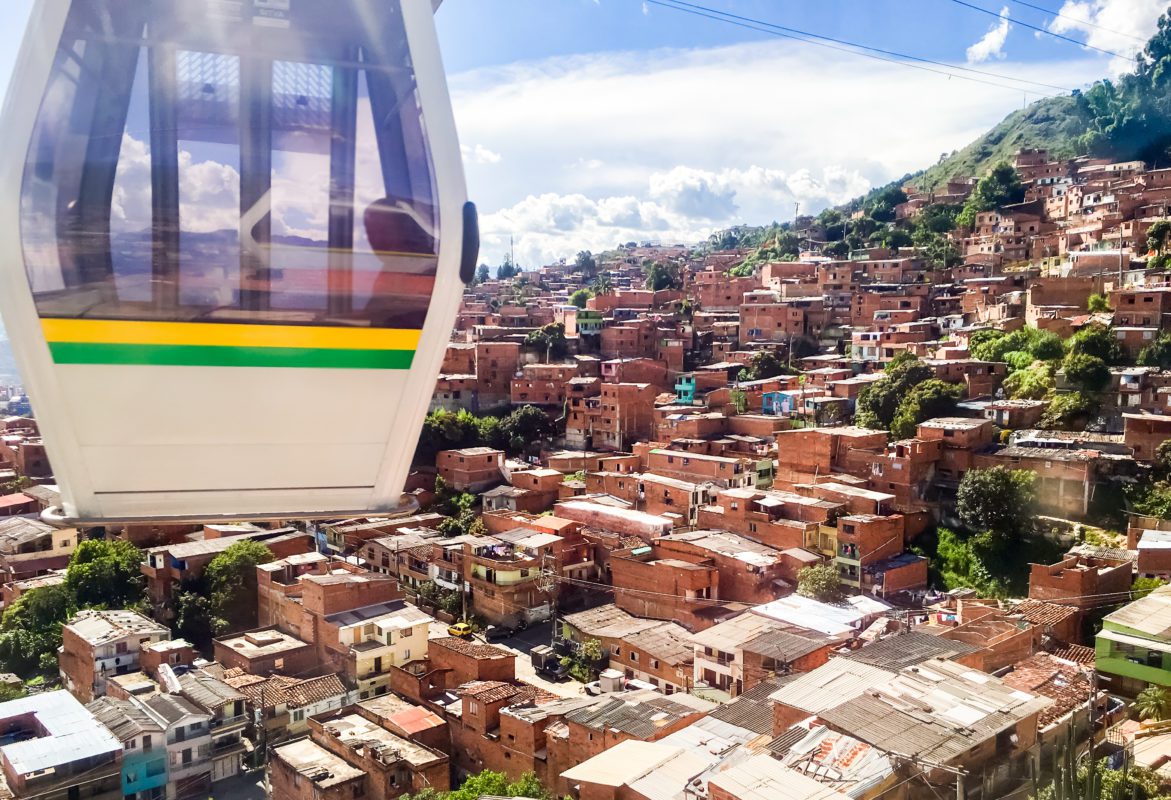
[589, 122]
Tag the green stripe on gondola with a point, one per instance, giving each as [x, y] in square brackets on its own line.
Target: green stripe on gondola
[211, 356]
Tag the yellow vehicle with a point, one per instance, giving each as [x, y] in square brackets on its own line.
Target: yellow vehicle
[461, 629]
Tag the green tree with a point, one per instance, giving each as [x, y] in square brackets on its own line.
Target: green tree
[882, 206]
[927, 400]
[764, 364]
[1153, 500]
[580, 297]
[1088, 373]
[936, 218]
[450, 501]
[549, 341]
[449, 430]
[1098, 304]
[1069, 411]
[1153, 703]
[30, 630]
[1000, 187]
[231, 579]
[106, 573]
[1098, 341]
[602, 284]
[465, 523]
[585, 262]
[483, 273]
[937, 250]
[1141, 587]
[661, 276]
[821, 582]
[1031, 383]
[1157, 353]
[1162, 462]
[506, 269]
[993, 345]
[878, 402]
[528, 424]
[194, 618]
[488, 784]
[997, 500]
[1159, 236]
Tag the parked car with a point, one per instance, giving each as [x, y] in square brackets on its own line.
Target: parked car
[547, 663]
[461, 629]
[498, 633]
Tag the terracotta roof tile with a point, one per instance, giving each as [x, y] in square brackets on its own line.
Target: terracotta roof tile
[1067, 685]
[471, 649]
[1077, 653]
[1040, 612]
[314, 690]
[517, 693]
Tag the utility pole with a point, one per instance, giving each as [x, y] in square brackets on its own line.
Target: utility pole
[548, 583]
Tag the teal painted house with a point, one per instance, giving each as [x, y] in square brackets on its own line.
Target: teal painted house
[1133, 649]
[144, 746]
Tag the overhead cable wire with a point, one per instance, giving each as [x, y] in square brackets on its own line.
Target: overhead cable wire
[763, 27]
[1078, 20]
[1039, 29]
[893, 53]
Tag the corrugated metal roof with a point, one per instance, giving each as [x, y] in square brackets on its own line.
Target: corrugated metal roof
[829, 685]
[762, 777]
[122, 718]
[784, 645]
[937, 711]
[908, 649]
[666, 641]
[639, 714]
[608, 621]
[1150, 615]
[668, 779]
[752, 710]
[625, 761]
[839, 761]
[71, 733]
[210, 694]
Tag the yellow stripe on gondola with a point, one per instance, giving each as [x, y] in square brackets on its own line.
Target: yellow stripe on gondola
[124, 332]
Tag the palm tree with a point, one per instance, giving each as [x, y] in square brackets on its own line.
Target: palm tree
[1153, 703]
[603, 284]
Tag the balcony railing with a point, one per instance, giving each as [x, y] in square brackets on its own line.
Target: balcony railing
[227, 722]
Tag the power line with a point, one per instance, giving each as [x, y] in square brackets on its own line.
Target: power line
[1078, 20]
[896, 54]
[768, 28]
[893, 53]
[1039, 29]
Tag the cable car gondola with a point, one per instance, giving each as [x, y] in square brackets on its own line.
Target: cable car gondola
[236, 233]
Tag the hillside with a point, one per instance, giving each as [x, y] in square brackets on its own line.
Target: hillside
[1054, 124]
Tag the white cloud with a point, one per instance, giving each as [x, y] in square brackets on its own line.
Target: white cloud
[685, 204]
[479, 155]
[991, 44]
[1120, 26]
[682, 142]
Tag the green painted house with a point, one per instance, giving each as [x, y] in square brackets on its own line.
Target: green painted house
[1133, 649]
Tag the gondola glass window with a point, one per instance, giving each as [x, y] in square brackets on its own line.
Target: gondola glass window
[244, 162]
